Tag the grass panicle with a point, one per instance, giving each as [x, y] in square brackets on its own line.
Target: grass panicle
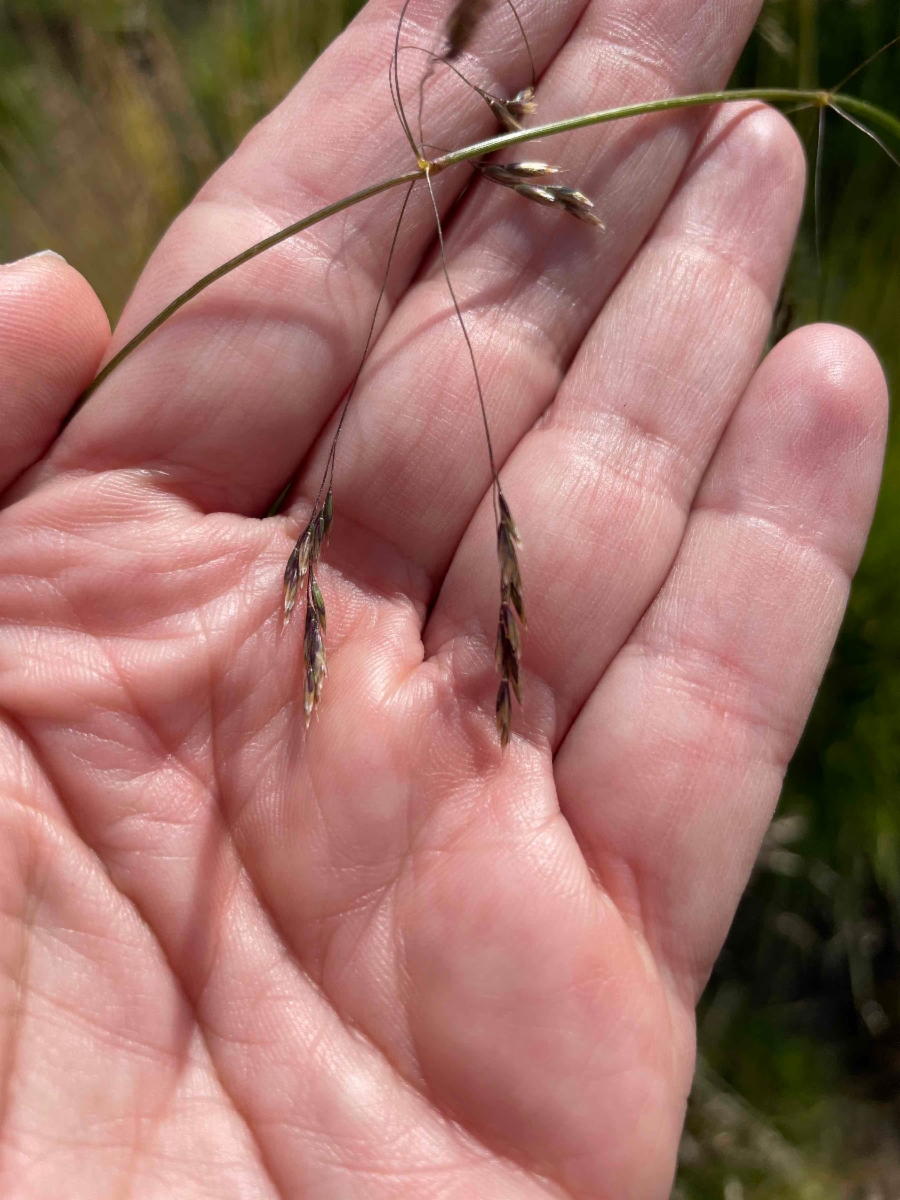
[532, 181]
[304, 557]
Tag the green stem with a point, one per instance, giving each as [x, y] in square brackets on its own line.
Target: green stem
[490, 145]
[860, 108]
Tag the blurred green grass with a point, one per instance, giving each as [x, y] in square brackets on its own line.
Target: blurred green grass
[112, 112]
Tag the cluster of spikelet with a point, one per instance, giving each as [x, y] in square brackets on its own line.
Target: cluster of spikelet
[300, 569]
[529, 180]
[521, 176]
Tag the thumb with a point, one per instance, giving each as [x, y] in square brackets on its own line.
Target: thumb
[53, 333]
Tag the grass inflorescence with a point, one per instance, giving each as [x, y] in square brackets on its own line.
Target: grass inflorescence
[533, 181]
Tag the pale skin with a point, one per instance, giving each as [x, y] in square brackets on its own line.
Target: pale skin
[381, 958]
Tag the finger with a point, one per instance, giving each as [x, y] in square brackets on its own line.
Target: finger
[601, 489]
[53, 332]
[226, 398]
[413, 463]
[672, 770]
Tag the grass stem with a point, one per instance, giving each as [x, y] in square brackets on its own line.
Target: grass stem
[819, 99]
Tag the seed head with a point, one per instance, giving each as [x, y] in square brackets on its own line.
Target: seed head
[295, 571]
[313, 662]
[523, 104]
[577, 204]
[554, 195]
[504, 713]
[318, 602]
[301, 566]
[510, 112]
[508, 651]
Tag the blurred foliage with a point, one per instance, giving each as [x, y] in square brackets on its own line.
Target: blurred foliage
[112, 112]
[797, 1090]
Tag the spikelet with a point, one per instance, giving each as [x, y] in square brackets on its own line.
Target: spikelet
[576, 204]
[295, 571]
[514, 174]
[531, 191]
[318, 603]
[301, 567]
[523, 104]
[518, 177]
[315, 668]
[510, 113]
[508, 650]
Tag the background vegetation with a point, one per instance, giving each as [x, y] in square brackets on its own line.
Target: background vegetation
[112, 112]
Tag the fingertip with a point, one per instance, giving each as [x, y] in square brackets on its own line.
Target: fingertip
[807, 442]
[831, 384]
[53, 334]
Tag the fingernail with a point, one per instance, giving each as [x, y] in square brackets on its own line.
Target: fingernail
[39, 254]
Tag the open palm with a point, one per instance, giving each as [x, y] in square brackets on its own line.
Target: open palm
[381, 958]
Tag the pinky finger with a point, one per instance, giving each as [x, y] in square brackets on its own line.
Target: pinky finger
[670, 775]
[53, 333]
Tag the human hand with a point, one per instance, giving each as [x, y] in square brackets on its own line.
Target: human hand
[383, 958]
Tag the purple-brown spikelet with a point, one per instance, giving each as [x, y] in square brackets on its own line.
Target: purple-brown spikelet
[301, 567]
[510, 113]
[512, 613]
